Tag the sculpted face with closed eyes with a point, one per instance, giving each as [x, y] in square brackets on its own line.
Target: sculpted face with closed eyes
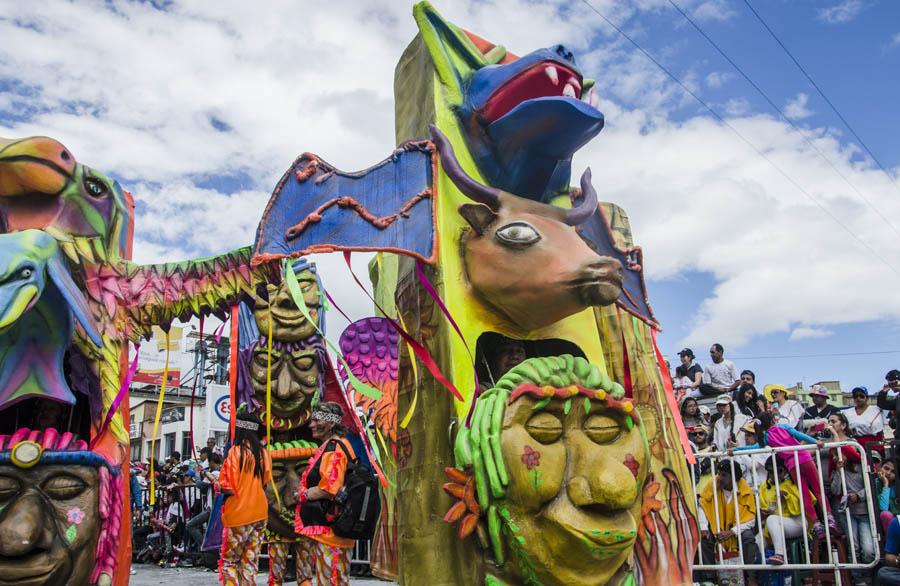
[49, 524]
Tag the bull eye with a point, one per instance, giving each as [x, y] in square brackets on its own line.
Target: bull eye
[518, 234]
[95, 187]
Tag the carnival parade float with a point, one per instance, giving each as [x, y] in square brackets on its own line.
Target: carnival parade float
[508, 388]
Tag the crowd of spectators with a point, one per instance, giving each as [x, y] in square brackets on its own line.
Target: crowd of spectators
[170, 531]
[774, 506]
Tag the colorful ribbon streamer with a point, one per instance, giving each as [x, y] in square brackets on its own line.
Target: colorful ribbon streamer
[421, 352]
[120, 396]
[159, 405]
[673, 405]
[197, 376]
[297, 295]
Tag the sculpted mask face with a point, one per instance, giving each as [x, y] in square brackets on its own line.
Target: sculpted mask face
[286, 475]
[557, 458]
[288, 324]
[49, 524]
[573, 487]
[295, 376]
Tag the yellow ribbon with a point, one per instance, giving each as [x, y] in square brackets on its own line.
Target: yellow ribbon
[159, 405]
[269, 380]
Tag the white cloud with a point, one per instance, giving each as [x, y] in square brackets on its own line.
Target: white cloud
[895, 40]
[805, 333]
[717, 79]
[169, 100]
[841, 12]
[796, 108]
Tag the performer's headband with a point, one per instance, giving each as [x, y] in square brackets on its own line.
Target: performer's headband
[326, 416]
[252, 426]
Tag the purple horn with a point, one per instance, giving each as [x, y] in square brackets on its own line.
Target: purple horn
[489, 196]
[580, 214]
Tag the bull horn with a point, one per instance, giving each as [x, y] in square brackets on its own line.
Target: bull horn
[489, 196]
[580, 214]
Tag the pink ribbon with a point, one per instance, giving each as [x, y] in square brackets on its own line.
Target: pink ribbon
[123, 392]
[420, 350]
[437, 298]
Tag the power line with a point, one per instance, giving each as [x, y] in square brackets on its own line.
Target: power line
[828, 355]
[737, 133]
[775, 107]
[822, 94]
[776, 357]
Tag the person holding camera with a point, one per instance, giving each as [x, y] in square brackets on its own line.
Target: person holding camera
[319, 493]
[890, 404]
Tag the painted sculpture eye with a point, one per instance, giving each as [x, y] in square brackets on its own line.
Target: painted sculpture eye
[518, 234]
[544, 427]
[9, 487]
[25, 272]
[94, 187]
[63, 487]
[602, 429]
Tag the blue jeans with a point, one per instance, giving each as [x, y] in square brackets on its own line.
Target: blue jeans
[889, 576]
[862, 536]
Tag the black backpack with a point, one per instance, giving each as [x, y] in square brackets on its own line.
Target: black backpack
[359, 501]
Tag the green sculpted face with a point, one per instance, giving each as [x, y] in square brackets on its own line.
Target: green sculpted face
[558, 458]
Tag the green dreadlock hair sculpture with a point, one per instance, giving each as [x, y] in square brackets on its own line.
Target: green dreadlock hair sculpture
[478, 448]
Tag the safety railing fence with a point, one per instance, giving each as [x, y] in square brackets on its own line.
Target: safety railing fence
[191, 494]
[779, 457]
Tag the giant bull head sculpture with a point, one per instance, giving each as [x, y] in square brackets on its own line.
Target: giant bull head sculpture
[524, 258]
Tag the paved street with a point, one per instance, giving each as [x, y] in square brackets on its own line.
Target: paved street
[148, 575]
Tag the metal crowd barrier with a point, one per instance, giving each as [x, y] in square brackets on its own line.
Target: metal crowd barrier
[832, 561]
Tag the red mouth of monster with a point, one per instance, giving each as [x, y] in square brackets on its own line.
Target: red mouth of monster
[545, 79]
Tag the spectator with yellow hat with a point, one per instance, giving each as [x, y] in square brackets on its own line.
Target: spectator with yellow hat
[787, 411]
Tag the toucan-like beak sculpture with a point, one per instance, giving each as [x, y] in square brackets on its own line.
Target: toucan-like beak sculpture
[34, 166]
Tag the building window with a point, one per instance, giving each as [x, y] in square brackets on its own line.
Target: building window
[170, 443]
[136, 451]
[186, 445]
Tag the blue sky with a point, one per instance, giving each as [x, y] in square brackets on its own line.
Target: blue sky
[199, 107]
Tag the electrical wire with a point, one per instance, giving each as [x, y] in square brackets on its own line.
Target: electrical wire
[827, 355]
[822, 94]
[784, 116]
[737, 133]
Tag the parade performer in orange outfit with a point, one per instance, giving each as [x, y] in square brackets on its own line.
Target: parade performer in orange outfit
[245, 472]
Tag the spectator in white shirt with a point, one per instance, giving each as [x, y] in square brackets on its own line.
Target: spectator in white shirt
[688, 374]
[727, 425]
[866, 421]
[721, 376]
[785, 411]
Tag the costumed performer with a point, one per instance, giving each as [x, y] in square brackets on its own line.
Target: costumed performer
[246, 470]
[321, 483]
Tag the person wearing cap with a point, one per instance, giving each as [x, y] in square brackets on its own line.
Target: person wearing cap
[698, 435]
[727, 424]
[787, 411]
[721, 375]
[890, 404]
[688, 374]
[815, 418]
[753, 465]
[866, 421]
